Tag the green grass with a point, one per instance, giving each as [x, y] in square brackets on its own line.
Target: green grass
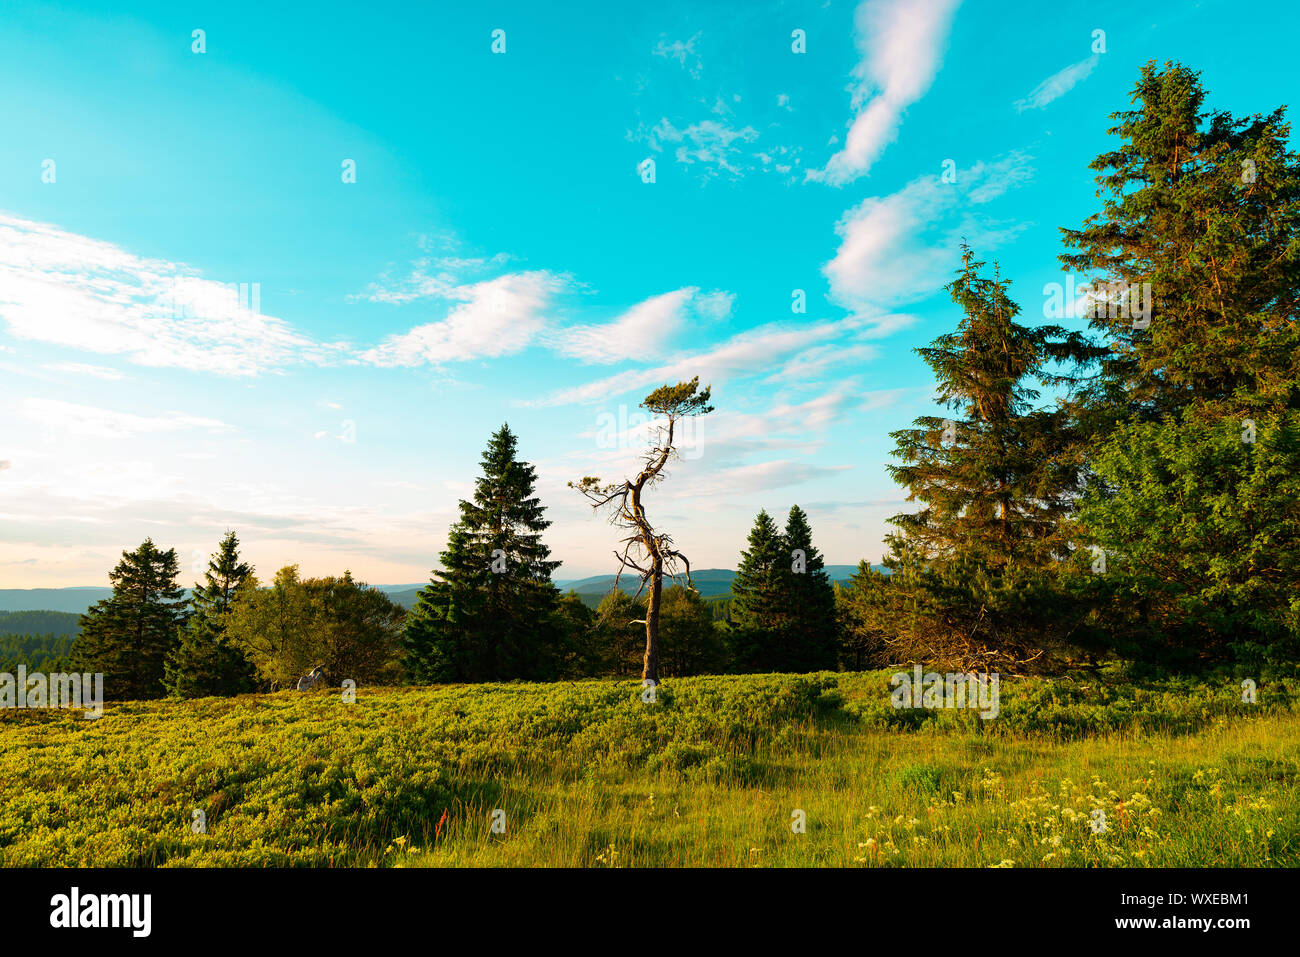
[709, 775]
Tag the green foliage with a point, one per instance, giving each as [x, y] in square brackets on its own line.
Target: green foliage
[866, 613]
[682, 399]
[689, 643]
[1201, 535]
[46, 654]
[758, 607]
[39, 623]
[205, 661]
[489, 613]
[128, 636]
[348, 628]
[811, 605]
[575, 620]
[618, 635]
[1198, 523]
[975, 571]
[1205, 208]
[589, 774]
[783, 606]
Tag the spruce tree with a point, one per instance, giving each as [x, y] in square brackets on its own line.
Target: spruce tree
[1191, 517]
[489, 613]
[1205, 208]
[760, 609]
[204, 661]
[811, 609]
[996, 480]
[128, 636]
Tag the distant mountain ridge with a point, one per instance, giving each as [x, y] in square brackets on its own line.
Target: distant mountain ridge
[711, 582]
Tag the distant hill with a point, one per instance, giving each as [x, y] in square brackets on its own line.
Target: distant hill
[74, 600]
[79, 599]
[61, 623]
[711, 582]
[404, 595]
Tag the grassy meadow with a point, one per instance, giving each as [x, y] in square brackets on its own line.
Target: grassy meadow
[710, 774]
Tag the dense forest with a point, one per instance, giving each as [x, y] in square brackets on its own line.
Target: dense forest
[1130, 490]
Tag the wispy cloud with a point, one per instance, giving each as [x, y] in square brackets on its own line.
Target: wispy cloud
[900, 248]
[712, 143]
[1057, 85]
[640, 333]
[87, 420]
[68, 290]
[85, 369]
[745, 354]
[431, 278]
[683, 51]
[901, 42]
[496, 317]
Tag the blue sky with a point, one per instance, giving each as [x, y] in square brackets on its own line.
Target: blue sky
[500, 256]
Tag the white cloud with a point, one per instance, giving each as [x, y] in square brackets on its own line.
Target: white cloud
[683, 51]
[901, 247]
[901, 42]
[439, 278]
[88, 420]
[69, 290]
[85, 369]
[709, 142]
[715, 305]
[640, 333]
[745, 354]
[1057, 85]
[495, 317]
[808, 366]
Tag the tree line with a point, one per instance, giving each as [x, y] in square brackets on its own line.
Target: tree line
[489, 613]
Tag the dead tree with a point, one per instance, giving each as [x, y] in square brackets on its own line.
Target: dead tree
[648, 552]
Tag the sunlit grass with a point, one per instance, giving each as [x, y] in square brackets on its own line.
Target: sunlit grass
[588, 775]
[1224, 797]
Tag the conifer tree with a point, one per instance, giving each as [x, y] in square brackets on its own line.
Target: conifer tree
[1201, 213]
[996, 481]
[811, 605]
[1191, 517]
[128, 635]
[760, 607]
[204, 661]
[489, 613]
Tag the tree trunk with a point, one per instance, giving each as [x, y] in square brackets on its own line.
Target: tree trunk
[650, 666]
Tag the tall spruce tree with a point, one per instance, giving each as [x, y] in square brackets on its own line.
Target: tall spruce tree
[128, 635]
[761, 634]
[996, 480]
[1195, 423]
[1202, 211]
[815, 641]
[204, 661]
[490, 613]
